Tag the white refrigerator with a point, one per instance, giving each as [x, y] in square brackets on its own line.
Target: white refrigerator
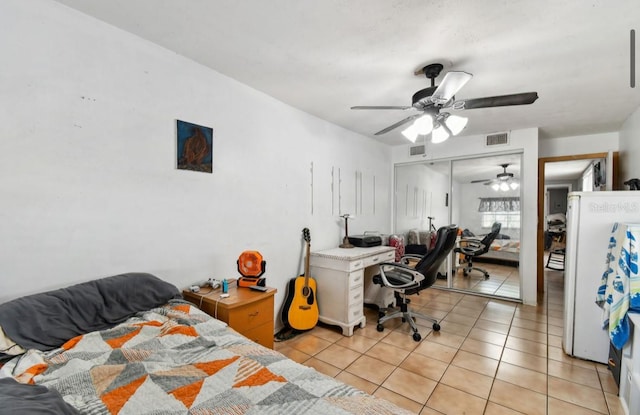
[590, 219]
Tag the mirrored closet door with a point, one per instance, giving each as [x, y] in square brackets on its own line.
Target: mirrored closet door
[479, 195]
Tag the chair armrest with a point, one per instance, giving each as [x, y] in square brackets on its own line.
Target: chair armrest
[413, 276]
[469, 246]
[470, 250]
[411, 256]
[470, 240]
[408, 257]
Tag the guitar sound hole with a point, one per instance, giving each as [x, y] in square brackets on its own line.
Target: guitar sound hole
[306, 291]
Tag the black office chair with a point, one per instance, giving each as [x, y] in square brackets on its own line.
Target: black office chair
[406, 280]
[474, 247]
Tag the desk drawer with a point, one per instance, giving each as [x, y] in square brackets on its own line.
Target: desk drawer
[354, 313]
[356, 296]
[356, 279]
[376, 259]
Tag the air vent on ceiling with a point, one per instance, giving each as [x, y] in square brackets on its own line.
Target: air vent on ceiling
[416, 150]
[497, 139]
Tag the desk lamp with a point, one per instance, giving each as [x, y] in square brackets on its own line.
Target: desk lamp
[345, 242]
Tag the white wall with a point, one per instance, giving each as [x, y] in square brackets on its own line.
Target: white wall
[630, 148]
[472, 219]
[87, 163]
[582, 144]
[525, 141]
[420, 194]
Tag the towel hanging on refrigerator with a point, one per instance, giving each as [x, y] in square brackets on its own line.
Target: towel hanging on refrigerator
[619, 290]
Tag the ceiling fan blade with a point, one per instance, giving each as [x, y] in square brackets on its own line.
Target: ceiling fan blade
[398, 124]
[497, 101]
[450, 85]
[480, 181]
[380, 107]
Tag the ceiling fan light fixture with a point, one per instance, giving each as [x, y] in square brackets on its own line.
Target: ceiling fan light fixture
[495, 186]
[410, 133]
[514, 185]
[439, 134]
[456, 124]
[504, 186]
[423, 125]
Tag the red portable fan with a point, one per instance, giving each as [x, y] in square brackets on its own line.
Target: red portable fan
[251, 266]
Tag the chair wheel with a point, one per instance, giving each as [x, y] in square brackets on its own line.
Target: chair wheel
[380, 327]
[417, 337]
[486, 276]
[436, 327]
[465, 273]
[381, 314]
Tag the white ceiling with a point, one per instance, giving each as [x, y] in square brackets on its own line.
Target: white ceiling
[566, 170]
[326, 56]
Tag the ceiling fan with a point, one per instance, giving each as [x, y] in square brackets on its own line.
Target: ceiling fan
[429, 101]
[504, 181]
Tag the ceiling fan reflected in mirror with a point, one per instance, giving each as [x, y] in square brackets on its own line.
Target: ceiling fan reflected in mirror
[429, 101]
[504, 181]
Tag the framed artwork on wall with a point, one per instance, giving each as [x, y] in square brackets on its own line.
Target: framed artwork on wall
[194, 147]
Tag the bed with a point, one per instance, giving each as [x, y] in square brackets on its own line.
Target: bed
[502, 251]
[129, 344]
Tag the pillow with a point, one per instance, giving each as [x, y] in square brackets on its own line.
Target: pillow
[47, 320]
[8, 348]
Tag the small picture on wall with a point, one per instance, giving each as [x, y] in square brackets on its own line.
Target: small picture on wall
[195, 147]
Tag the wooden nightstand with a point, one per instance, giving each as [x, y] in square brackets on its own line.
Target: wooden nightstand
[247, 311]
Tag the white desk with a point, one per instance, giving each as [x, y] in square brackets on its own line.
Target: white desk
[339, 274]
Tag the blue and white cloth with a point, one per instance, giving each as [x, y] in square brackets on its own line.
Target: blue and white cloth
[619, 290]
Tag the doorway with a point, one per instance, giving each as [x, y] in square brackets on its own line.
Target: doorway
[544, 165]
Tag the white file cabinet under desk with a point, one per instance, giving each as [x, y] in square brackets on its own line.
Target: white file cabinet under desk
[339, 275]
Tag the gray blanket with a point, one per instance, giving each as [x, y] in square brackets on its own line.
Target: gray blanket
[16, 398]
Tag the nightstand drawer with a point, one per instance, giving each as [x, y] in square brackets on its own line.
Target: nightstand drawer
[251, 315]
[262, 334]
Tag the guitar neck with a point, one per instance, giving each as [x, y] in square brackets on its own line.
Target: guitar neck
[306, 265]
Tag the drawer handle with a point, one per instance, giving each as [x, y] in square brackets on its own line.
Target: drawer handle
[612, 363]
[375, 259]
[355, 297]
[358, 278]
[255, 313]
[357, 264]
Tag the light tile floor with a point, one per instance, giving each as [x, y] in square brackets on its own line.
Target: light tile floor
[490, 357]
[504, 281]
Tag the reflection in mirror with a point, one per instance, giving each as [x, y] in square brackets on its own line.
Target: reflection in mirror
[482, 191]
[486, 206]
[421, 193]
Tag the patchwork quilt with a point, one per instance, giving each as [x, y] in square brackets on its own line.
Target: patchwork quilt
[175, 359]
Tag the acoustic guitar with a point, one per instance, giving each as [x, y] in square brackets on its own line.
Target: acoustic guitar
[300, 310]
